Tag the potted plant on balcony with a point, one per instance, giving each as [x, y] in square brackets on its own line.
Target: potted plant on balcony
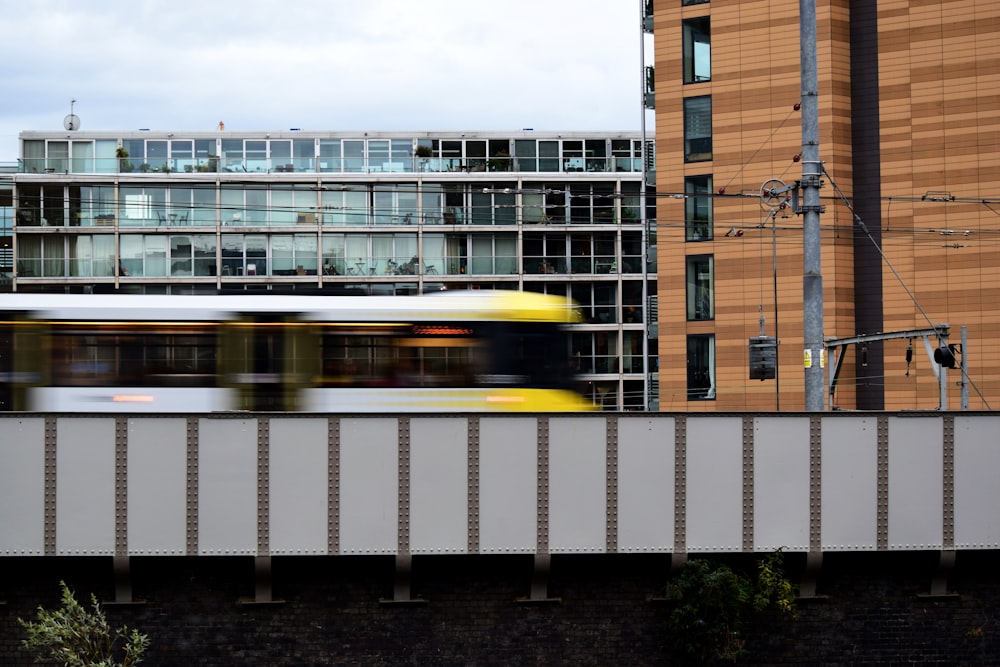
[499, 161]
[123, 164]
[211, 166]
[423, 155]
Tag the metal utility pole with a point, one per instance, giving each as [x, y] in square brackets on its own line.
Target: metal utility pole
[812, 281]
[965, 368]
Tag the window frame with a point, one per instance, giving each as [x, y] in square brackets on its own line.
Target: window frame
[699, 290]
[691, 29]
[700, 355]
[699, 209]
[697, 147]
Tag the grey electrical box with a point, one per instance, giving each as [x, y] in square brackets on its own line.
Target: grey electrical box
[763, 358]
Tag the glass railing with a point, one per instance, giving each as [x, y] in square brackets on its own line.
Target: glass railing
[241, 165]
[159, 264]
[588, 264]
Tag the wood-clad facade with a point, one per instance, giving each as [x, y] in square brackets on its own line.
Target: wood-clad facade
[909, 121]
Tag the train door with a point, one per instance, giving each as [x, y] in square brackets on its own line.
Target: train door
[268, 359]
[22, 361]
[6, 366]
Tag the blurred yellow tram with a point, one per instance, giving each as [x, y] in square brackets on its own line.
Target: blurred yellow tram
[495, 351]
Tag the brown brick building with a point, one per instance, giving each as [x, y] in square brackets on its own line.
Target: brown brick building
[909, 120]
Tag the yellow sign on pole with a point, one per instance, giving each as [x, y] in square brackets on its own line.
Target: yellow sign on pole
[807, 358]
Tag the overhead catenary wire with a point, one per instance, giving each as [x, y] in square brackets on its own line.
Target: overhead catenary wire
[864, 228]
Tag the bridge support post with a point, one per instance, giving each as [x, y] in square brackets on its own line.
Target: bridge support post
[677, 562]
[939, 580]
[401, 581]
[122, 566]
[262, 591]
[540, 581]
[123, 579]
[401, 589]
[810, 575]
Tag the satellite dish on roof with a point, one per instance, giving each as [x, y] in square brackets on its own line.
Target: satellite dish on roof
[72, 121]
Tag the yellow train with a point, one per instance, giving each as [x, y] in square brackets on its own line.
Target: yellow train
[444, 352]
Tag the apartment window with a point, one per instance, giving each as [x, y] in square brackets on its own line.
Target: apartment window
[698, 128]
[52, 256]
[697, 49]
[594, 352]
[495, 204]
[346, 205]
[182, 155]
[701, 367]
[700, 280]
[631, 253]
[303, 154]
[143, 255]
[545, 204]
[293, 254]
[698, 208]
[232, 155]
[493, 254]
[192, 255]
[329, 155]
[244, 205]
[244, 254]
[623, 157]
[395, 204]
[205, 155]
[526, 154]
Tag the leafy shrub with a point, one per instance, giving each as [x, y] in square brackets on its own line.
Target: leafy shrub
[74, 637]
[713, 604]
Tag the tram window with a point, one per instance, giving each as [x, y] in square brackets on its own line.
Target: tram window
[532, 355]
[117, 358]
[425, 356]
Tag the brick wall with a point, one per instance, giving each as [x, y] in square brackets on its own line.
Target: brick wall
[874, 612]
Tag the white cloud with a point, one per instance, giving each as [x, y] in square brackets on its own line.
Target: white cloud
[319, 64]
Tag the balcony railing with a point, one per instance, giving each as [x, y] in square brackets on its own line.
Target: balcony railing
[242, 165]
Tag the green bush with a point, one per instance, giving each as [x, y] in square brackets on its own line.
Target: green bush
[74, 637]
[712, 604]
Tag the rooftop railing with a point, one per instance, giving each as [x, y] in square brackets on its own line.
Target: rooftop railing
[244, 165]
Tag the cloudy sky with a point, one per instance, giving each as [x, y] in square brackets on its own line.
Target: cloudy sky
[319, 65]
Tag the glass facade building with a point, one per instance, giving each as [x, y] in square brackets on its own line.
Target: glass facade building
[369, 213]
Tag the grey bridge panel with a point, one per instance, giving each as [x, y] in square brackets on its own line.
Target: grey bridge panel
[646, 485]
[576, 485]
[227, 486]
[781, 484]
[369, 486]
[849, 484]
[977, 476]
[260, 484]
[915, 483]
[715, 484]
[298, 496]
[85, 487]
[157, 473]
[439, 490]
[508, 485]
[22, 487]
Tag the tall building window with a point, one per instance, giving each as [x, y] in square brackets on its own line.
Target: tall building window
[700, 279]
[701, 367]
[697, 49]
[698, 208]
[698, 128]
